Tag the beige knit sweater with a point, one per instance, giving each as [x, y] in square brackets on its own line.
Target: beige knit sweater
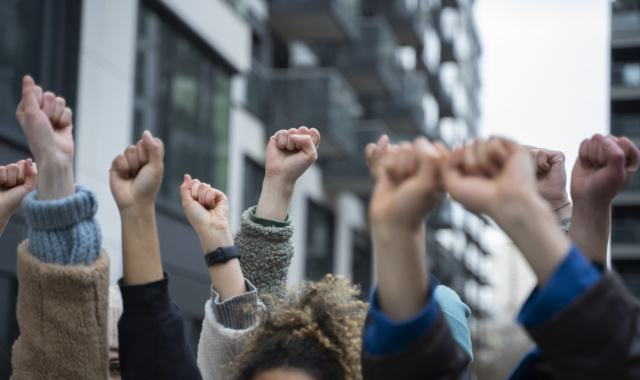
[62, 314]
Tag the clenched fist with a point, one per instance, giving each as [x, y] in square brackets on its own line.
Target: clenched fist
[290, 153]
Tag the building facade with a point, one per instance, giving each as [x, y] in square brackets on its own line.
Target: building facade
[625, 121]
[214, 79]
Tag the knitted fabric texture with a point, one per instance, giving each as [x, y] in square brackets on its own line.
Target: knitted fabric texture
[115, 312]
[234, 313]
[565, 224]
[64, 231]
[456, 313]
[266, 254]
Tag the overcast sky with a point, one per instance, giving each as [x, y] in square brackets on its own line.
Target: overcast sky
[544, 70]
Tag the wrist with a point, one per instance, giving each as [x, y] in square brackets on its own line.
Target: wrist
[516, 209]
[211, 239]
[138, 211]
[275, 198]
[55, 180]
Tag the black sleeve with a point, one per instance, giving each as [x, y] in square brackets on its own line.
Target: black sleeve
[151, 335]
[435, 356]
[596, 336]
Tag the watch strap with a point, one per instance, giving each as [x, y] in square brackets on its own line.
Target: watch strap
[222, 255]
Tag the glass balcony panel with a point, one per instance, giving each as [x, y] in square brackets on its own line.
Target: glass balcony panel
[625, 23]
[626, 125]
[625, 226]
[405, 16]
[370, 64]
[316, 98]
[315, 20]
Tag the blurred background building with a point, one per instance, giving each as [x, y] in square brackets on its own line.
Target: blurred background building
[625, 121]
[214, 79]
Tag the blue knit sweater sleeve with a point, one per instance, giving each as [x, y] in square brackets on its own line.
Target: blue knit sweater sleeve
[64, 231]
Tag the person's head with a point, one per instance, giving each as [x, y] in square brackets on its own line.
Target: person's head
[313, 335]
[115, 311]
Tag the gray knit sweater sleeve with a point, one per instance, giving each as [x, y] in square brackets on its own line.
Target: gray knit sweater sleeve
[565, 224]
[267, 249]
[64, 231]
[236, 312]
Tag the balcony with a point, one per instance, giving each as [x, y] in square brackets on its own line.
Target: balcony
[450, 3]
[369, 64]
[318, 98]
[405, 17]
[354, 174]
[257, 82]
[442, 218]
[315, 20]
[626, 125]
[625, 29]
[625, 81]
[405, 112]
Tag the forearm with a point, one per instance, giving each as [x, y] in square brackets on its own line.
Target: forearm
[533, 229]
[226, 278]
[275, 199]
[403, 284]
[590, 227]
[55, 180]
[140, 246]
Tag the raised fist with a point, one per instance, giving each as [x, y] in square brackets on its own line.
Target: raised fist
[136, 175]
[488, 176]
[290, 153]
[208, 212]
[408, 185]
[604, 166]
[551, 175]
[16, 181]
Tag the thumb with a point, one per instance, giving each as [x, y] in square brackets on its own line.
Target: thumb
[155, 149]
[428, 156]
[610, 154]
[31, 175]
[29, 103]
[185, 190]
[305, 143]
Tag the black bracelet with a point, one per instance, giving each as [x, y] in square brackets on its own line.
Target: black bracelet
[222, 255]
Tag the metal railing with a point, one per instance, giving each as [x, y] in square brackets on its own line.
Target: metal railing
[350, 8]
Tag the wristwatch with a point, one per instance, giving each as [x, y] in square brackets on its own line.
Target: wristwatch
[222, 255]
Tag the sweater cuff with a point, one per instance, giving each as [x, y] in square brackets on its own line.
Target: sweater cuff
[64, 231]
[146, 301]
[265, 222]
[237, 313]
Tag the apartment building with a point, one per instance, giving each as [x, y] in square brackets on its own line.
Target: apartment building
[625, 121]
[214, 79]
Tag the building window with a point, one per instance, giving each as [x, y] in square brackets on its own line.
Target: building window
[182, 97]
[253, 177]
[39, 38]
[362, 261]
[319, 260]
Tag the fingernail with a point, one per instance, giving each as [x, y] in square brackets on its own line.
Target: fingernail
[295, 137]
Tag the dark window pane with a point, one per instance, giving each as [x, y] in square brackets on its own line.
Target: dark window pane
[253, 176]
[182, 96]
[320, 223]
[362, 264]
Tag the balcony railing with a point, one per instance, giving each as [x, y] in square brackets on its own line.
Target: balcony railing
[626, 125]
[354, 173]
[406, 18]
[319, 98]
[403, 113]
[625, 74]
[315, 20]
[625, 24]
[370, 64]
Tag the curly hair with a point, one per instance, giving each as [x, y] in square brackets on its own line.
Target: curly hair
[316, 329]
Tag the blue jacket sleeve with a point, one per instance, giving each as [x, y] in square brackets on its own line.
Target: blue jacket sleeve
[574, 275]
[384, 336]
[151, 335]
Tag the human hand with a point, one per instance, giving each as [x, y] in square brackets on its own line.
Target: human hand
[16, 181]
[604, 167]
[290, 153]
[551, 175]
[208, 212]
[373, 155]
[487, 176]
[46, 122]
[136, 174]
[408, 185]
